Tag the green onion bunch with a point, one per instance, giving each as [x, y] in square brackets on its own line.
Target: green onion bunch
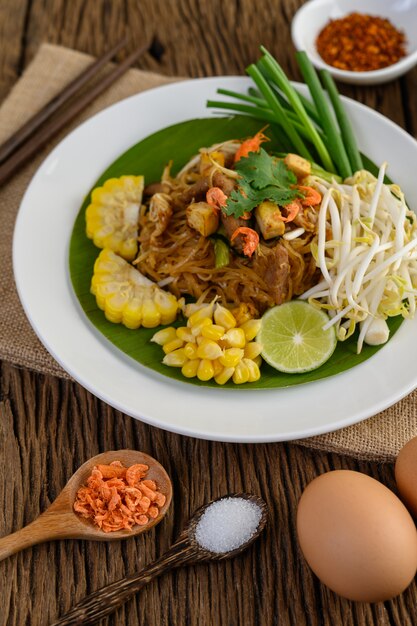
[317, 129]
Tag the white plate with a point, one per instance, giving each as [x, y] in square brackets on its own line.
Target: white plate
[40, 257]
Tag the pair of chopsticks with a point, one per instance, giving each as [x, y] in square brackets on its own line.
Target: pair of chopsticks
[40, 128]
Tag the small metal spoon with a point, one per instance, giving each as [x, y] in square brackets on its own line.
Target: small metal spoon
[60, 521]
[185, 551]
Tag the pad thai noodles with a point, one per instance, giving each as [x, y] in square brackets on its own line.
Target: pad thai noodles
[348, 248]
[189, 245]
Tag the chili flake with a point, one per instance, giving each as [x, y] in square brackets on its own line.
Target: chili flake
[361, 43]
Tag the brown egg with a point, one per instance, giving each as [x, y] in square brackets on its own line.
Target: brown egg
[357, 536]
[406, 474]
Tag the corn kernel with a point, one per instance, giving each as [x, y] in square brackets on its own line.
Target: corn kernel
[103, 266]
[117, 302]
[242, 313]
[172, 345]
[116, 318]
[223, 317]
[241, 373]
[258, 360]
[107, 288]
[190, 350]
[254, 373]
[253, 349]
[128, 249]
[251, 328]
[189, 369]
[198, 327]
[205, 311]
[177, 358]
[164, 336]
[217, 367]
[151, 317]
[185, 333]
[190, 308]
[225, 375]
[235, 338]
[208, 349]
[132, 313]
[167, 305]
[205, 370]
[231, 357]
[213, 331]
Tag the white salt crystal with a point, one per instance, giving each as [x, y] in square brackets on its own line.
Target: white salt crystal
[227, 524]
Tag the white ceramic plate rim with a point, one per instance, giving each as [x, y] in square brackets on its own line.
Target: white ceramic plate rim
[40, 258]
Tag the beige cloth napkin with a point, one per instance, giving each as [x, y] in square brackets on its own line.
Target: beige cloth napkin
[378, 438]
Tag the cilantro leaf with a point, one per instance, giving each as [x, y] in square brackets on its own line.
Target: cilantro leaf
[261, 169]
[262, 177]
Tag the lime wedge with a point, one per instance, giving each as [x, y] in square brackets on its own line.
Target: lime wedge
[293, 338]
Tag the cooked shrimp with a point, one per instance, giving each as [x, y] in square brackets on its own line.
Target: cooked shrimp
[312, 197]
[135, 472]
[250, 145]
[251, 239]
[292, 209]
[216, 198]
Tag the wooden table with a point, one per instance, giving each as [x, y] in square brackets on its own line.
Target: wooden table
[49, 426]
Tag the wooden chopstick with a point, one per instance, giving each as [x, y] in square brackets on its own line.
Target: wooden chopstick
[53, 105]
[45, 133]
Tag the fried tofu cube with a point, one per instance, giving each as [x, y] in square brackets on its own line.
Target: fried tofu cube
[268, 217]
[298, 165]
[202, 218]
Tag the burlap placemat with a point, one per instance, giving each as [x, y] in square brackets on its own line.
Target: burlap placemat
[378, 438]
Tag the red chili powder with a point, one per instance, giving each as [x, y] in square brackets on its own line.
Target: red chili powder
[361, 43]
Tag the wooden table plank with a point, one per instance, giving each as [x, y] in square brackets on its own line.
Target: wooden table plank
[49, 427]
[13, 16]
[47, 423]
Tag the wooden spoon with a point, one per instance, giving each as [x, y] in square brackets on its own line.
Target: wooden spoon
[185, 551]
[60, 521]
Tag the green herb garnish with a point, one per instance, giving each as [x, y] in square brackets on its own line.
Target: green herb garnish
[262, 177]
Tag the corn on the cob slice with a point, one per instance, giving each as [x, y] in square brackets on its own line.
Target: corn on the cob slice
[112, 216]
[128, 297]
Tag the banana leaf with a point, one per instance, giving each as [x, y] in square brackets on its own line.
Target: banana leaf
[148, 157]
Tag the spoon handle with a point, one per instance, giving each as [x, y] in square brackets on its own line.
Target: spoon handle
[46, 527]
[107, 599]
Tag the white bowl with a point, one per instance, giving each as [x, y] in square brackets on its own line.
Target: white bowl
[315, 14]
